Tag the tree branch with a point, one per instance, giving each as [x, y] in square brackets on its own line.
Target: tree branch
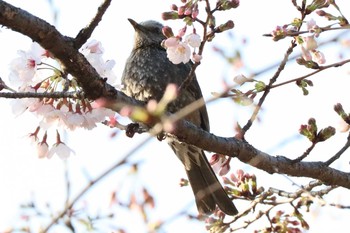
[86, 32]
[186, 131]
[54, 95]
[61, 47]
[283, 63]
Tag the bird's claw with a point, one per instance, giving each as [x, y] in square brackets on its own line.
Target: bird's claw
[131, 129]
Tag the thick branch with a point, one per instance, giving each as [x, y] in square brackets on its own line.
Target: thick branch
[248, 154]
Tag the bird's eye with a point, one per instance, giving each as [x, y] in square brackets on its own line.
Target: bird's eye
[155, 30]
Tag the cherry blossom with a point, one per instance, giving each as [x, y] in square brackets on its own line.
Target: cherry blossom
[318, 57]
[179, 49]
[310, 43]
[93, 52]
[19, 106]
[306, 54]
[67, 114]
[309, 50]
[220, 164]
[23, 68]
[42, 148]
[240, 79]
[180, 52]
[193, 40]
[61, 150]
[196, 57]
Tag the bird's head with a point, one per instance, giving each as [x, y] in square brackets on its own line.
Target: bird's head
[147, 33]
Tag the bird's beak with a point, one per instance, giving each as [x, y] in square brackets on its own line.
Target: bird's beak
[134, 24]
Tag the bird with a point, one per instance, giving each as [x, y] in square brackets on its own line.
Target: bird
[146, 74]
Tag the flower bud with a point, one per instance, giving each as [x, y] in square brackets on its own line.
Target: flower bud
[260, 86]
[321, 12]
[173, 7]
[310, 43]
[167, 31]
[338, 108]
[183, 182]
[325, 133]
[196, 57]
[240, 79]
[226, 26]
[181, 10]
[170, 15]
[279, 33]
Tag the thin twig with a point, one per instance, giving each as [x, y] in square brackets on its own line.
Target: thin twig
[67, 181]
[267, 68]
[53, 95]
[194, 66]
[336, 64]
[268, 87]
[305, 154]
[290, 197]
[339, 153]
[86, 32]
[323, 29]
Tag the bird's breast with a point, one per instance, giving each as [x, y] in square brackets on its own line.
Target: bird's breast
[146, 74]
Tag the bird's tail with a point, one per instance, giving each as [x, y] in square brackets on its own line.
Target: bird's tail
[205, 185]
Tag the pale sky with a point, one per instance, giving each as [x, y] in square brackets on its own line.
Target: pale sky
[23, 176]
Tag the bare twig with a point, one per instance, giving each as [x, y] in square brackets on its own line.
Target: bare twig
[86, 32]
[67, 181]
[305, 154]
[334, 65]
[54, 95]
[268, 87]
[339, 153]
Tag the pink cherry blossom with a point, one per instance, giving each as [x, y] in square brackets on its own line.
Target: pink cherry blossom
[59, 113]
[19, 106]
[23, 68]
[306, 54]
[93, 46]
[193, 40]
[240, 79]
[318, 57]
[310, 43]
[310, 24]
[93, 51]
[179, 53]
[42, 150]
[171, 42]
[196, 57]
[61, 150]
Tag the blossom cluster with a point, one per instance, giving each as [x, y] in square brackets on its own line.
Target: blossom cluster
[37, 71]
[309, 44]
[311, 56]
[179, 49]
